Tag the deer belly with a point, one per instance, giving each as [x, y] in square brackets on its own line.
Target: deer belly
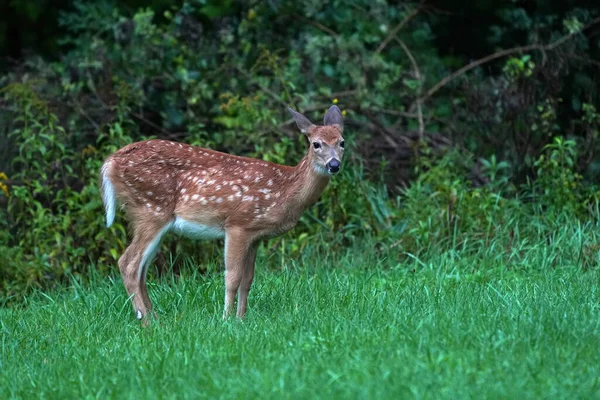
[194, 230]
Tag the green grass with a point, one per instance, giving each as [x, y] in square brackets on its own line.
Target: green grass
[458, 324]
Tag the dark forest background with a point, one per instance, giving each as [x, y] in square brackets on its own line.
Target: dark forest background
[463, 120]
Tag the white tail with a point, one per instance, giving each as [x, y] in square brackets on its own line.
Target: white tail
[204, 194]
[108, 195]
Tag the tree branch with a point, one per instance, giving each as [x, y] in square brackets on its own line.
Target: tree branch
[397, 28]
[318, 25]
[503, 53]
[419, 89]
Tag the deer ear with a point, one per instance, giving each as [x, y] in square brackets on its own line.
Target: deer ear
[303, 123]
[334, 117]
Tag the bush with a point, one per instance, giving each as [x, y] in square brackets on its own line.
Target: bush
[510, 146]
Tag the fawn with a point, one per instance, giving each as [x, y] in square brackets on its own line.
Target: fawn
[205, 194]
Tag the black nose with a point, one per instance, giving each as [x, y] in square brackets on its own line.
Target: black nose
[333, 166]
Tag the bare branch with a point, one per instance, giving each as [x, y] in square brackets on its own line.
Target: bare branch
[420, 88]
[318, 25]
[503, 53]
[80, 110]
[397, 28]
[141, 118]
[585, 60]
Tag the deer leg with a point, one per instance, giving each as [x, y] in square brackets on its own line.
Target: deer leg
[237, 247]
[128, 265]
[134, 266]
[144, 293]
[246, 283]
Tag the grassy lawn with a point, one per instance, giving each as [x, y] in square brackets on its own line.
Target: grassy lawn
[356, 328]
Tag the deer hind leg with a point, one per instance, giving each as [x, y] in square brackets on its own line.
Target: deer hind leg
[237, 249]
[246, 282]
[134, 262]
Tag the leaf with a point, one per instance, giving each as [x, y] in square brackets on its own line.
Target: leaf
[412, 84]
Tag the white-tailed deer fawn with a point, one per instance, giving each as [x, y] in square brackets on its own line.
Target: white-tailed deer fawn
[204, 194]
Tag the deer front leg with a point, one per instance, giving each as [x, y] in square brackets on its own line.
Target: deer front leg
[246, 283]
[237, 248]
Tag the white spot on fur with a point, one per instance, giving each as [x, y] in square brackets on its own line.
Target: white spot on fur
[195, 197]
[270, 183]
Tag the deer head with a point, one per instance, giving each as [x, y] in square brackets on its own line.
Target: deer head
[326, 141]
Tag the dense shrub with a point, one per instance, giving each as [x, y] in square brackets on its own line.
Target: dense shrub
[493, 147]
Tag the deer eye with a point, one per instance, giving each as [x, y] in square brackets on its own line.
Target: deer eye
[316, 145]
[342, 144]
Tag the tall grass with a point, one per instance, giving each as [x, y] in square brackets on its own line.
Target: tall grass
[476, 322]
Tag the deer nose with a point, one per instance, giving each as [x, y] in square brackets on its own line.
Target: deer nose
[333, 166]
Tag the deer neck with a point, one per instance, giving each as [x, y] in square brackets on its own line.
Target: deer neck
[307, 184]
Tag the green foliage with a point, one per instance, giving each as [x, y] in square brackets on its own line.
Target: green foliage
[54, 224]
[126, 77]
[220, 74]
[443, 210]
[519, 66]
[558, 182]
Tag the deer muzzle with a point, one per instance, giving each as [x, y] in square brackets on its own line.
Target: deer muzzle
[333, 166]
